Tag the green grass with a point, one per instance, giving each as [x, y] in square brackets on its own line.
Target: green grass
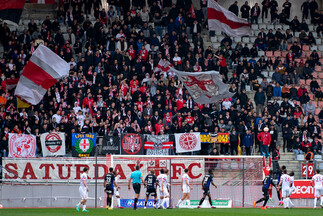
[166, 212]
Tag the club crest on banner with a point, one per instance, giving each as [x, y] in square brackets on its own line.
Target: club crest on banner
[22, 145]
[53, 142]
[132, 144]
[188, 142]
[83, 144]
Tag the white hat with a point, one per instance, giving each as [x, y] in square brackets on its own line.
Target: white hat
[266, 129]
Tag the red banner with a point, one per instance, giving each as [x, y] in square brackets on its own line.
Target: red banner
[303, 189]
[309, 169]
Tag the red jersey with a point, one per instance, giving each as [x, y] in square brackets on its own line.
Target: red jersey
[179, 103]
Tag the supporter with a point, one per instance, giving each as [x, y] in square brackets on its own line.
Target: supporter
[297, 147]
[317, 146]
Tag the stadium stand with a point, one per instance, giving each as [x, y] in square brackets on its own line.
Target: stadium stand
[275, 73]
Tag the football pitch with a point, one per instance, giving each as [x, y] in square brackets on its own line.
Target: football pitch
[161, 212]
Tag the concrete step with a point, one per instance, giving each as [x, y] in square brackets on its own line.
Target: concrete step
[38, 11]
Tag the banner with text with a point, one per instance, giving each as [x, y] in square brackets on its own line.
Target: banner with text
[132, 144]
[44, 170]
[111, 145]
[22, 145]
[124, 166]
[83, 144]
[158, 144]
[53, 144]
[303, 189]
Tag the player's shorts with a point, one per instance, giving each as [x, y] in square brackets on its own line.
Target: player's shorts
[83, 192]
[165, 192]
[136, 188]
[206, 190]
[109, 190]
[186, 189]
[285, 192]
[151, 191]
[265, 192]
[115, 191]
[318, 192]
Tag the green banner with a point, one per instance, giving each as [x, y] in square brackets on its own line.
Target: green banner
[216, 203]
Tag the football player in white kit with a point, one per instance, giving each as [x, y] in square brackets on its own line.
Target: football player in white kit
[291, 189]
[285, 184]
[163, 190]
[84, 190]
[116, 190]
[317, 183]
[186, 188]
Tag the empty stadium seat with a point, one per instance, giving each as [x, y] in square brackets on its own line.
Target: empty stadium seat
[277, 53]
[300, 157]
[318, 68]
[237, 39]
[306, 48]
[269, 53]
[245, 39]
[254, 26]
[261, 53]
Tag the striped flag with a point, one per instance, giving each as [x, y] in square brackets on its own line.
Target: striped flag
[42, 71]
[11, 10]
[165, 145]
[221, 19]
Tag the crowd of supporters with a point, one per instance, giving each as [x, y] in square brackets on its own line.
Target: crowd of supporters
[112, 88]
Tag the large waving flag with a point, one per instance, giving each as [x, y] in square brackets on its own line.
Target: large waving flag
[10, 10]
[163, 66]
[220, 19]
[204, 87]
[42, 71]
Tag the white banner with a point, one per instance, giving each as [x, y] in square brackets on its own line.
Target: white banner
[42, 170]
[53, 144]
[187, 142]
[22, 145]
[204, 87]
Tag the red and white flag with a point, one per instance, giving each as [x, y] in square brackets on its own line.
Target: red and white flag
[221, 19]
[163, 66]
[11, 83]
[42, 71]
[187, 142]
[204, 87]
[192, 11]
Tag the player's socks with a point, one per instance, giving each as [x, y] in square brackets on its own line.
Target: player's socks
[119, 203]
[162, 203]
[266, 200]
[210, 201]
[145, 204]
[322, 201]
[188, 203]
[278, 195]
[201, 201]
[179, 202]
[315, 200]
[167, 202]
[135, 204]
[260, 200]
[270, 191]
[84, 207]
[290, 202]
[78, 204]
